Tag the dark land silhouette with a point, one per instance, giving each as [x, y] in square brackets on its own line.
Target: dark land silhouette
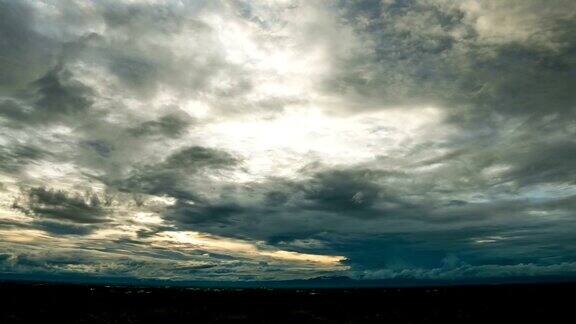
[35, 302]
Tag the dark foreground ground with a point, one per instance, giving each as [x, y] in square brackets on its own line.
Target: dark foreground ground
[51, 303]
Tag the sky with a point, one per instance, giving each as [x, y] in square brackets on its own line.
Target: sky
[288, 139]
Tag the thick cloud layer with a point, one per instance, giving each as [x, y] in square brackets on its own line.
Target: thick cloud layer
[242, 140]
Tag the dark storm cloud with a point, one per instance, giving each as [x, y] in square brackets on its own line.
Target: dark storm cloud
[211, 215]
[333, 200]
[422, 228]
[345, 191]
[170, 176]
[60, 205]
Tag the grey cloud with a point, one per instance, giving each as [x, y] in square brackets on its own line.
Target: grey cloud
[153, 182]
[58, 95]
[471, 272]
[102, 148]
[173, 175]
[135, 73]
[14, 111]
[545, 163]
[145, 65]
[24, 54]
[143, 18]
[343, 190]
[431, 52]
[17, 156]
[211, 215]
[62, 228]
[197, 157]
[170, 125]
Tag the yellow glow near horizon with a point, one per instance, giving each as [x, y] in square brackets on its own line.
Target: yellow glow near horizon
[221, 244]
[22, 235]
[295, 256]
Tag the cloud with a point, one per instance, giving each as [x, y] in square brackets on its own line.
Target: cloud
[57, 204]
[343, 191]
[209, 214]
[198, 157]
[25, 54]
[57, 95]
[62, 228]
[390, 133]
[172, 176]
[15, 157]
[171, 125]
[445, 53]
[471, 273]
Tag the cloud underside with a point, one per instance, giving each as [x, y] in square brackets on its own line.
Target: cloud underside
[237, 140]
